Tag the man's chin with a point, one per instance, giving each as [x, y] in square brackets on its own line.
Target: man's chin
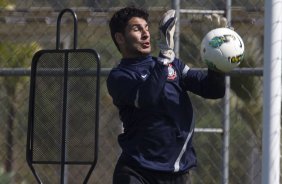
[146, 51]
[139, 53]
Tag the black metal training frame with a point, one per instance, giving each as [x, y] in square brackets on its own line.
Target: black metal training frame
[63, 117]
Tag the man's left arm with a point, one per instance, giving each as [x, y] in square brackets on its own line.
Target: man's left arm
[209, 84]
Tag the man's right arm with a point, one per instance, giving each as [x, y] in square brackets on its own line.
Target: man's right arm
[128, 90]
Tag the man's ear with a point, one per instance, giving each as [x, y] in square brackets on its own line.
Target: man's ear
[119, 38]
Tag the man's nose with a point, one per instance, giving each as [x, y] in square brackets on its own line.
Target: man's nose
[145, 32]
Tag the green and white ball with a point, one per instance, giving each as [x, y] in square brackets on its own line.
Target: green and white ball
[222, 49]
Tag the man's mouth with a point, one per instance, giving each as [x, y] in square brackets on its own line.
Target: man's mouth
[146, 44]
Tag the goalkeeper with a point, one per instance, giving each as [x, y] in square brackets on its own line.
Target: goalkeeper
[154, 107]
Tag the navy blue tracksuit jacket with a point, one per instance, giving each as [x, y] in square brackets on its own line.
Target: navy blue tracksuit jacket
[156, 111]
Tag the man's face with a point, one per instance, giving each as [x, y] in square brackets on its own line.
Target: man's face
[135, 42]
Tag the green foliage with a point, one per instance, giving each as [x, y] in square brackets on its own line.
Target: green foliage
[5, 178]
[3, 3]
[15, 55]
[6, 4]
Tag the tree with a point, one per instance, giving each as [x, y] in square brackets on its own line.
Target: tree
[6, 4]
[13, 55]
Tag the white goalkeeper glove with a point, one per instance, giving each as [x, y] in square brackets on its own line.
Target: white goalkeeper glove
[214, 21]
[207, 23]
[166, 41]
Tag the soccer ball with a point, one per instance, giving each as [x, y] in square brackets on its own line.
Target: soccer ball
[222, 49]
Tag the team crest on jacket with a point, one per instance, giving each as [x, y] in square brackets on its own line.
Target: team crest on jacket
[171, 73]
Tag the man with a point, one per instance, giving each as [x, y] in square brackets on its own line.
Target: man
[151, 96]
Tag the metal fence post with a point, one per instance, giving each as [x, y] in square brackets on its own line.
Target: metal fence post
[226, 118]
[176, 6]
[272, 93]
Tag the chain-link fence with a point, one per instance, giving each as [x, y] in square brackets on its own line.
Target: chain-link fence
[227, 153]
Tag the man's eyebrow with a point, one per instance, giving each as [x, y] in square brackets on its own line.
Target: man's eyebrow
[138, 25]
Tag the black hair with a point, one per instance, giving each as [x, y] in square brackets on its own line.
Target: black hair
[120, 19]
